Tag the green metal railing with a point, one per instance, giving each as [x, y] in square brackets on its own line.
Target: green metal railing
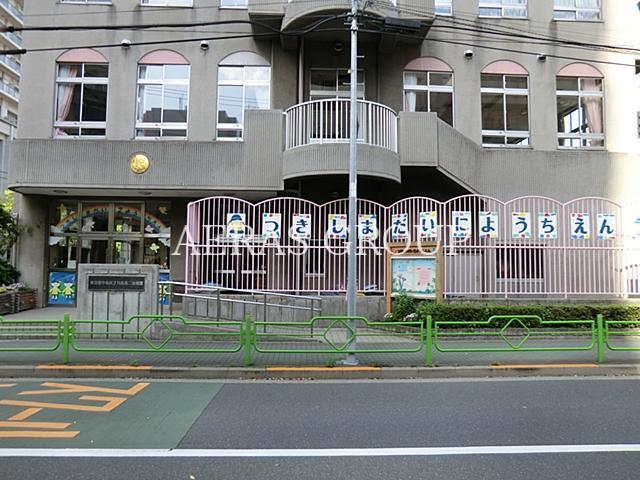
[335, 334]
[320, 335]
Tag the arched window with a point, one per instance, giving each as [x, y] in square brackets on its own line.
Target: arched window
[580, 103]
[428, 87]
[505, 104]
[244, 83]
[163, 95]
[81, 94]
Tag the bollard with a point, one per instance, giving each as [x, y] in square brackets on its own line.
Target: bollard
[428, 342]
[600, 320]
[247, 340]
[66, 332]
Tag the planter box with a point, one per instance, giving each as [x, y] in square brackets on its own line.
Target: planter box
[25, 300]
[6, 303]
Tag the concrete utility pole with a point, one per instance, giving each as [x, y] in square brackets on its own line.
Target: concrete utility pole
[352, 265]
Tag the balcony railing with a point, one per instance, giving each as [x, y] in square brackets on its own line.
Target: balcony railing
[328, 121]
[10, 63]
[12, 9]
[16, 39]
[13, 91]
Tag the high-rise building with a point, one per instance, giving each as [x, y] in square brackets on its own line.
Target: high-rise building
[10, 16]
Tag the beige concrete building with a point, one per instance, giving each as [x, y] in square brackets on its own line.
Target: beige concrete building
[492, 97]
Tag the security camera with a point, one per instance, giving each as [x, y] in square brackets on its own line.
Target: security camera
[338, 47]
[204, 45]
[542, 57]
[125, 43]
[468, 53]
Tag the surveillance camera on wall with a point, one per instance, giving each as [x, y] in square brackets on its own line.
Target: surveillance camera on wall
[542, 57]
[338, 47]
[468, 53]
[125, 43]
[204, 45]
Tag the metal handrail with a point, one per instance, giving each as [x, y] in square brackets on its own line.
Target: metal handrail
[328, 121]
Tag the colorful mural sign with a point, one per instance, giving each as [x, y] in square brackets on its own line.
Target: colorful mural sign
[428, 227]
[488, 225]
[236, 225]
[301, 226]
[62, 288]
[399, 226]
[461, 224]
[580, 226]
[521, 225]
[414, 276]
[368, 227]
[547, 225]
[271, 225]
[606, 226]
[338, 229]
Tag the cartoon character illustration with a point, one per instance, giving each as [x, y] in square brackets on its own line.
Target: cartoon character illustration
[69, 290]
[54, 290]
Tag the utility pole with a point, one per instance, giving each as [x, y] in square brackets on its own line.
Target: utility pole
[352, 261]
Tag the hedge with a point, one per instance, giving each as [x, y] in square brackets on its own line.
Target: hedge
[443, 312]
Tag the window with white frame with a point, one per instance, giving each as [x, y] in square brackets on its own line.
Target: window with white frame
[444, 7]
[580, 104]
[233, 3]
[81, 100]
[503, 8]
[240, 88]
[104, 2]
[167, 3]
[581, 10]
[163, 100]
[429, 92]
[505, 110]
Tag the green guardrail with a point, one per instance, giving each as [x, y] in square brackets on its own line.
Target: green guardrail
[338, 336]
[320, 335]
[35, 330]
[510, 333]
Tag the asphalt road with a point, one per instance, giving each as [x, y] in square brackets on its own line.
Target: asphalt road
[289, 425]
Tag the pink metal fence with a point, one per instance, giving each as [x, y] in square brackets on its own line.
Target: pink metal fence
[585, 247]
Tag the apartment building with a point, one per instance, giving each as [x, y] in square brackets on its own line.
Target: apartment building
[127, 136]
[10, 16]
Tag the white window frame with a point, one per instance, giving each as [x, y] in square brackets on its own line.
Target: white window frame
[166, 3]
[503, 6]
[583, 137]
[81, 81]
[89, 2]
[577, 11]
[238, 127]
[430, 88]
[504, 91]
[230, 4]
[161, 125]
[443, 7]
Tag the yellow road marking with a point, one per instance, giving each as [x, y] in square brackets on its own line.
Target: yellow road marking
[26, 413]
[7, 385]
[553, 365]
[111, 403]
[27, 434]
[43, 425]
[93, 367]
[74, 388]
[323, 369]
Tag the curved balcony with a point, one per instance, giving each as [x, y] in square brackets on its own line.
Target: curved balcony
[328, 121]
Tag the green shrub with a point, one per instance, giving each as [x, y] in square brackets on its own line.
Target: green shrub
[402, 306]
[443, 312]
[8, 274]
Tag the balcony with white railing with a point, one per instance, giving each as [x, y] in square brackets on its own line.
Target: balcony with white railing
[12, 9]
[328, 122]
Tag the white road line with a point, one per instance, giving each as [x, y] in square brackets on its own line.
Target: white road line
[329, 452]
